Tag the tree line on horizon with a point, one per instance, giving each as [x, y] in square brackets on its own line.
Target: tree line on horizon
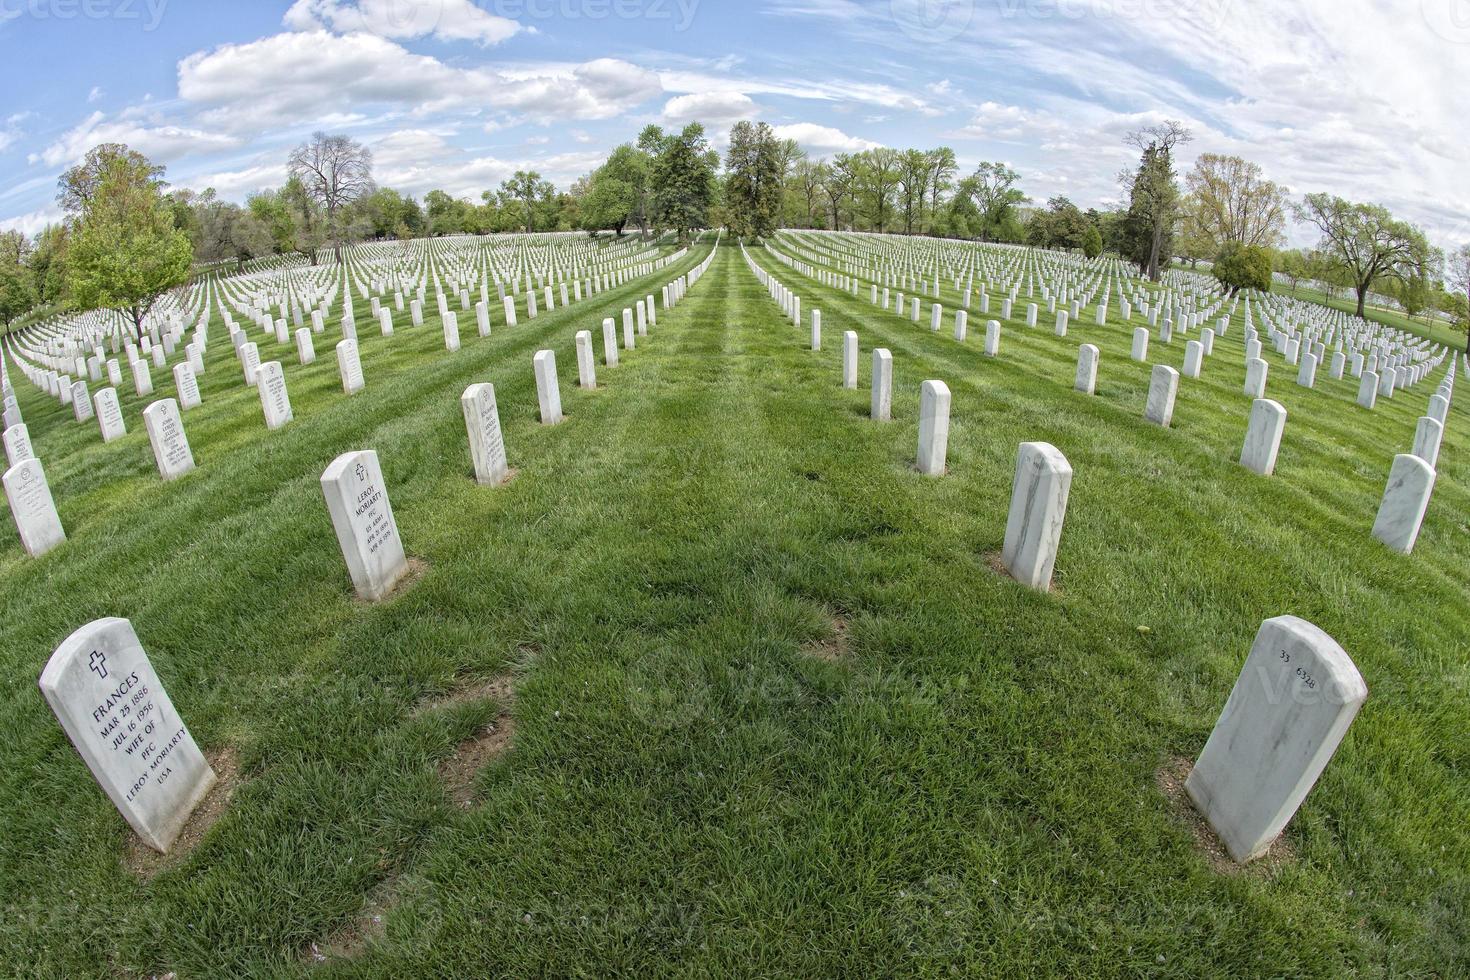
[126, 239]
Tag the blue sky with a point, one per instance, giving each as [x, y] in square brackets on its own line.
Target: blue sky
[1361, 98]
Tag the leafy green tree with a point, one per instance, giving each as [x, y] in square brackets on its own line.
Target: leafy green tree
[1092, 243]
[617, 193]
[1293, 264]
[913, 187]
[126, 251]
[838, 185]
[1244, 267]
[609, 204]
[942, 168]
[1417, 291]
[274, 211]
[996, 197]
[1367, 242]
[805, 195]
[78, 186]
[754, 181]
[1457, 281]
[16, 294]
[446, 215]
[681, 178]
[389, 214]
[225, 231]
[527, 187]
[1231, 201]
[1061, 225]
[47, 267]
[876, 179]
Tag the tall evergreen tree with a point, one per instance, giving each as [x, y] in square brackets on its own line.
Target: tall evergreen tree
[682, 177]
[1153, 197]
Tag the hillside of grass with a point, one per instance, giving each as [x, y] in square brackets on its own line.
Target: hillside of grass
[719, 685]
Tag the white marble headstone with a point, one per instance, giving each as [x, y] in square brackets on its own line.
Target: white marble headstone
[111, 704]
[882, 406]
[166, 432]
[1405, 502]
[32, 508]
[349, 366]
[487, 443]
[1039, 492]
[362, 516]
[274, 401]
[1263, 436]
[1290, 708]
[934, 402]
[548, 391]
[18, 447]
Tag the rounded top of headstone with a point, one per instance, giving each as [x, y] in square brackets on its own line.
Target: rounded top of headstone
[113, 632]
[355, 462]
[1345, 680]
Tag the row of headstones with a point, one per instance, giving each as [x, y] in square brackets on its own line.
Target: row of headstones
[32, 504]
[1266, 752]
[1411, 480]
[33, 507]
[357, 497]
[1297, 694]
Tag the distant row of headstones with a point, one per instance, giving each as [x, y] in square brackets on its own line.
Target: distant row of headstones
[1391, 363]
[31, 503]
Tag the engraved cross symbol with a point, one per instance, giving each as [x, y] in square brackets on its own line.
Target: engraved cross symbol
[99, 664]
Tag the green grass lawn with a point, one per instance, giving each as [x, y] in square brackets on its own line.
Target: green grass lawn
[773, 712]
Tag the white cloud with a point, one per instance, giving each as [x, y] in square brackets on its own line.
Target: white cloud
[158, 142]
[446, 20]
[710, 107]
[236, 185]
[32, 223]
[417, 161]
[94, 95]
[822, 139]
[295, 78]
[1360, 98]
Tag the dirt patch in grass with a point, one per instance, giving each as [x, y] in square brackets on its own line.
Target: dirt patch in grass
[146, 863]
[510, 475]
[833, 648]
[417, 568]
[459, 770]
[489, 743]
[994, 562]
[500, 689]
[1170, 779]
[349, 942]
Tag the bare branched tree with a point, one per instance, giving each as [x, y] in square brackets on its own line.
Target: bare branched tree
[335, 171]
